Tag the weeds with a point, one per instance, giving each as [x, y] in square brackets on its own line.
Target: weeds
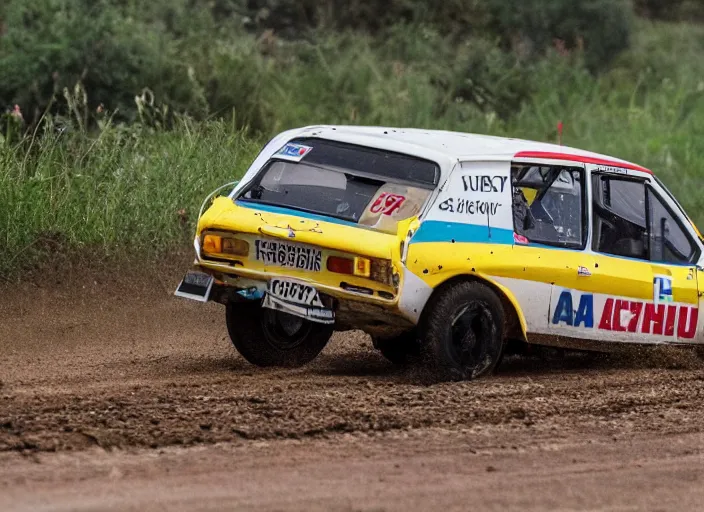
[84, 183]
[126, 192]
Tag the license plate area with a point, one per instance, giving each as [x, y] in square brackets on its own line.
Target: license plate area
[297, 298]
[288, 255]
[195, 286]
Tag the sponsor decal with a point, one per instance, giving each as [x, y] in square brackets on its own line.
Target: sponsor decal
[583, 271]
[387, 204]
[565, 313]
[293, 152]
[469, 207]
[625, 315]
[483, 183]
[662, 289]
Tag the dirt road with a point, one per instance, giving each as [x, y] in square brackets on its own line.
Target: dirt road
[117, 396]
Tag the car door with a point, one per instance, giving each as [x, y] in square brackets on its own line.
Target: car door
[550, 225]
[642, 284]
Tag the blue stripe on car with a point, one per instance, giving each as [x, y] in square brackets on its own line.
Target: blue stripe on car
[438, 231]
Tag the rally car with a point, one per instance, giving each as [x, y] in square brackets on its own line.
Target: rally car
[444, 247]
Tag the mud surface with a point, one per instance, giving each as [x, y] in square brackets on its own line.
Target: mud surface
[115, 395]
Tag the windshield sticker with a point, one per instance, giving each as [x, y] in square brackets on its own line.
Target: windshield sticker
[387, 204]
[391, 203]
[616, 170]
[293, 152]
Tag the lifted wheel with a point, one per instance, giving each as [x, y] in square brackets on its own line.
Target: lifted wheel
[462, 331]
[266, 337]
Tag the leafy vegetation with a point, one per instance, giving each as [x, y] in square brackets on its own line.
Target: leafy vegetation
[128, 113]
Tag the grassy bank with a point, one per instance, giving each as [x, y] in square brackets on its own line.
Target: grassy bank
[123, 194]
[133, 190]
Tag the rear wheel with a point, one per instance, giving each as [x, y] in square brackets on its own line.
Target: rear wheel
[463, 330]
[266, 337]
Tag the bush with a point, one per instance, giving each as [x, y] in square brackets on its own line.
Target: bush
[671, 10]
[134, 189]
[115, 52]
[600, 27]
[124, 191]
[195, 56]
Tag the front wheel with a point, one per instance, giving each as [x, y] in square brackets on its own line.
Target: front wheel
[266, 337]
[463, 331]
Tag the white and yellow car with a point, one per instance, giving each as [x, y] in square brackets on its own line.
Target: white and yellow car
[445, 245]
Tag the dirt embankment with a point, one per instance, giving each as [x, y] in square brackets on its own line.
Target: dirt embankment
[113, 384]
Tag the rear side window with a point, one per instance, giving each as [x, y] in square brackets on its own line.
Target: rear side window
[548, 204]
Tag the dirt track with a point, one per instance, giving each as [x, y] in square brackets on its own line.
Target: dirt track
[118, 396]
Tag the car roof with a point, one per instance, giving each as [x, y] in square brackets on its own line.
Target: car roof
[458, 145]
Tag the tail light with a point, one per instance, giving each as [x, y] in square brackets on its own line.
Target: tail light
[381, 271]
[374, 269]
[212, 244]
[218, 244]
[341, 265]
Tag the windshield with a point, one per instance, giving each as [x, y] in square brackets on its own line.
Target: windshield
[376, 195]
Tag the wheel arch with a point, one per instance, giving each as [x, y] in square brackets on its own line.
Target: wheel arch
[516, 327]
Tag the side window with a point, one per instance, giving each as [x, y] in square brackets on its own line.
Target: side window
[619, 217]
[630, 219]
[669, 243]
[548, 204]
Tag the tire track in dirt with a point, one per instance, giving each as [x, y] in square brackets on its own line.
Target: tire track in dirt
[153, 371]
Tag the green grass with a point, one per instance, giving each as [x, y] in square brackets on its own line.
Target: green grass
[123, 194]
[129, 192]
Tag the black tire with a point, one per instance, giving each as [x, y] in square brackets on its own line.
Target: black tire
[401, 350]
[266, 337]
[463, 331]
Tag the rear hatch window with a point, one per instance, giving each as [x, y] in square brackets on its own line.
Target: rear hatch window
[370, 187]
